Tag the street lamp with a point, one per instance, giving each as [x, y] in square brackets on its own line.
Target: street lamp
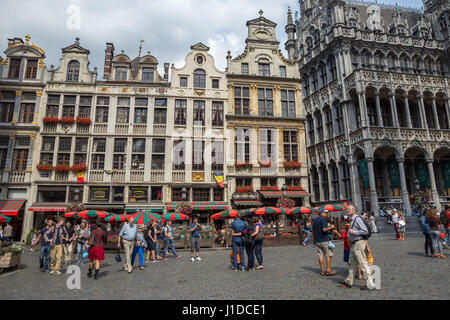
[76, 195]
[284, 190]
[417, 184]
[184, 194]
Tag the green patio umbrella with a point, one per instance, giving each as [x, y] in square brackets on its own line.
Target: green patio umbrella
[305, 210]
[332, 207]
[145, 217]
[115, 218]
[230, 213]
[92, 214]
[174, 216]
[265, 210]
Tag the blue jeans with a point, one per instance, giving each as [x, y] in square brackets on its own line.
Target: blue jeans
[80, 252]
[308, 235]
[44, 257]
[258, 251]
[250, 249]
[237, 242]
[447, 229]
[168, 243]
[435, 238]
[139, 250]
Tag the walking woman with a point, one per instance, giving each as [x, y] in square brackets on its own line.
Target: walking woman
[139, 247]
[429, 251]
[82, 235]
[96, 241]
[373, 225]
[307, 230]
[259, 237]
[249, 244]
[435, 233]
[401, 225]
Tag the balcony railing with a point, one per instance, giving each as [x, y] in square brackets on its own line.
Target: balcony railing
[96, 176]
[157, 176]
[61, 176]
[82, 129]
[137, 176]
[50, 127]
[100, 127]
[118, 176]
[178, 176]
[17, 177]
[121, 128]
[139, 128]
[159, 129]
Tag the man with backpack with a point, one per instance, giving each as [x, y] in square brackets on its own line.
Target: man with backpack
[168, 241]
[357, 233]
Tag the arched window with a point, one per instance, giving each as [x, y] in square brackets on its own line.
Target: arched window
[392, 61]
[379, 60]
[323, 74]
[355, 58]
[404, 62]
[429, 65]
[314, 84]
[331, 62]
[319, 125]
[200, 78]
[310, 125]
[305, 85]
[365, 59]
[73, 70]
[309, 43]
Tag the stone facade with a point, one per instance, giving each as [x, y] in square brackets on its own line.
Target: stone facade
[376, 90]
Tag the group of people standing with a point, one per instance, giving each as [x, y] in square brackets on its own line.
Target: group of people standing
[434, 236]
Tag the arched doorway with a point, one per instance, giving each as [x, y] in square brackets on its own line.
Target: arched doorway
[442, 172]
[417, 176]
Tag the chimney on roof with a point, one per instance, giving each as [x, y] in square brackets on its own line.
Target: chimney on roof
[109, 55]
[166, 71]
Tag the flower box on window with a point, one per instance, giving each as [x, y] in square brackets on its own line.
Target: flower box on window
[83, 121]
[292, 164]
[267, 164]
[244, 189]
[67, 120]
[62, 168]
[244, 164]
[295, 188]
[78, 168]
[269, 188]
[45, 167]
[50, 120]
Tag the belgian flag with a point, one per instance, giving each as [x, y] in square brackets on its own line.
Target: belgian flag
[218, 175]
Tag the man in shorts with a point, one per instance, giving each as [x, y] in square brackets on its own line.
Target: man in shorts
[321, 240]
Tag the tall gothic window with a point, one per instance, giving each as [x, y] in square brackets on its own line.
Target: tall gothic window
[73, 70]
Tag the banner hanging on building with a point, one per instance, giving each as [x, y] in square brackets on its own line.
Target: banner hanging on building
[422, 174]
[218, 175]
[362, 164]
[80, 177]
[394, 174]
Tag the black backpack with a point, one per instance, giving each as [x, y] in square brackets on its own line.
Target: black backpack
[443, 219]
[246, 237]
[367, 236]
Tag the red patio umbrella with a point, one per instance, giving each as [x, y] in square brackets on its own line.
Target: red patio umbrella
[265, 210]
[92, 214]
[215, 216]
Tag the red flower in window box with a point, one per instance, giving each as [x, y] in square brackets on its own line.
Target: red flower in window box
[45, 167]
[269, 188]
[295, 188]
[83, 121]
[67, 120]
[292, 164]
[62, 168]
[244, 164]
[78, 168]
[50, 120]
[244, 189]
[265, 164]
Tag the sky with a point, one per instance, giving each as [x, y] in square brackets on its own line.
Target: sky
[168, 27]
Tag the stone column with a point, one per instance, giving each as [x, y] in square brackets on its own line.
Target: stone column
[356, 193]
[393, 104]
[377, 102]
[330, 186]
[341, 181]
[407, 112]
[435, 115]
[447, 110]
[423, 115]
[405, 197]
[434, 193]
[373, 188]
[363, 108]
[386, 191]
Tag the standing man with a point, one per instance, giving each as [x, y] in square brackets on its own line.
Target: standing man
[168, 240]
[55, 236]
[68, 244]
[321, 240]
[195, 239]
[128, 235]
[44, 255]
[8, 232]
[356, 233]
[237, 227]
[395, 222]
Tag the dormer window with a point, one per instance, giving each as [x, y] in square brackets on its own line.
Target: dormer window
[148, 74]
[200, 79]
[244, 68]
[14, 69]
[121, 73]
[32, 65]
[73, 70]
[282, 72]
[264, 69]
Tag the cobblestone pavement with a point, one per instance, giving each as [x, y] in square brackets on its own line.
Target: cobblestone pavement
[289, 273]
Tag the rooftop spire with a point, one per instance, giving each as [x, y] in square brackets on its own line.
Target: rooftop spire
[289, 16]
[140, 46]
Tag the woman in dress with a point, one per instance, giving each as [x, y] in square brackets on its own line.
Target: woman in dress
[96, 240]
[401, 225]
[373, 225]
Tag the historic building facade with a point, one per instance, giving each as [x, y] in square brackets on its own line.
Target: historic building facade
[22, 80]
[376, 90]
[265, 122]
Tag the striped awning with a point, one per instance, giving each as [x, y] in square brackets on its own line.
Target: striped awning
[297, 194]
[207, 205]
[10, 207]
[248, 203]
[155, 210]
[47, 208]
[271, 193]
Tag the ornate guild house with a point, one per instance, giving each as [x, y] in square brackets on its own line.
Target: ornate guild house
[376, 93]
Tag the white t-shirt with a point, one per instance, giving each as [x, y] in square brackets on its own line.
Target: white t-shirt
[395, 218]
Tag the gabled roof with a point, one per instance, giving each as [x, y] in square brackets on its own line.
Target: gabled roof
[261, 21]
[75, 48]
[200, 46]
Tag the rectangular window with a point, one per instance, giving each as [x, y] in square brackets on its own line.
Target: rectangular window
[218, 194]
[158, 154]
[139, 145]
[86, 101]
[288, 103]
[81, 144]
[242, 145]
[241, 100]
[291, 182]
[265, 102]
[120, 145]
[119, 161]
[329, 123]
[138, 162]
[101, 114]
[84, 112]
[65, 144]
[267, 145]
[176, 194]
[217, 114]
[4, 142]
[290, 145]
[48, 144]
[148, 74]
[52, 111]
[46, 158]
[201, 194]
[26, 114]
[99, 145]
[217, 156]
[31, 70]
[179, 151]
[68, 112]
[197, 155]
[266, 182]
[103, 101]
[180, 112]
[140, 115]
[22, 142]
[159, 146]
[215, 83]
[158, 161]
[160, 116]
[141, 102]
[199, 113]
[264, 69]
[243, 182]
[121, 73]
[29, 96]
[282, 72]
[70, 100]
[118, 193]
[156, 193]
[138, 194]
[99, 194]
[79, 158]
[161, 102]
[63, 159]
[20, 158]
[98, 161]
[14, 69]
[339, 120]
[183, 81]
[123, 115]
[6, 111]
[244, 68]
[53, 99]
